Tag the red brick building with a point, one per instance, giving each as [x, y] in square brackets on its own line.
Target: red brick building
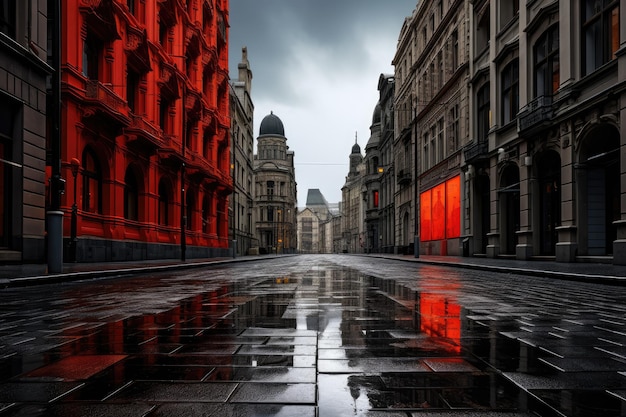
[145, 129]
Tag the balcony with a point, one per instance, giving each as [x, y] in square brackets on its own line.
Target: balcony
[143, 134]
[476, 151]
[535, 115]
[105, 100]
[403, 177]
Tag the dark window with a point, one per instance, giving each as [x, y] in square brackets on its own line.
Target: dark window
[164, 203]
[131, 6]
[270, 188]
[483, 32]
[546, 54]
[510, 92]
[508, 10]
[131, 196]
[455, 50]
[454, 128]
[600, 27]
[92, 50]
[483, 112]
[206, 214]
[7, 17]
[164, 113]
[92, 182]
[132, 89]
[190, 205]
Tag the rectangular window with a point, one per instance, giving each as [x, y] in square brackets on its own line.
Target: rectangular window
[92, 50]
[453, 135]
[440, 146]
[375, 199]
[8, 17]
[510, 92]
[455, 51]
[132, 89]
[482, 110]
[546, 56]
[426, 154]
[600, 27]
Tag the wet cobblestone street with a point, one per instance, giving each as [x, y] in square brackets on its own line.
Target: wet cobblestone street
[314, 336]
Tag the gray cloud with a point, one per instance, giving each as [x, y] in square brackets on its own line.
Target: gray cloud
[271, 28]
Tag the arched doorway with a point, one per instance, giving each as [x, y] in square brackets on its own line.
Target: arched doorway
[508, 198]
[549, 182]
[599, 190]
[481, 213]
[405, 231]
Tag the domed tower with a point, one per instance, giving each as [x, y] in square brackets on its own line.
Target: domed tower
[355, 158]
[275, 189]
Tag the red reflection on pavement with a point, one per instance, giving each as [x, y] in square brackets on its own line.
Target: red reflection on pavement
[74, 368]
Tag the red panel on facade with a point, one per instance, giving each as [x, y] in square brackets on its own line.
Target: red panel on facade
[453, 207]
[440, 211]
[425, 216]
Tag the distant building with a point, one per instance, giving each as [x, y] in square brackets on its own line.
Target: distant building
[275, 189]
[387, 169]
[308, 231]
[242, 159]
[371, 186]
[23, 75]
[324, 213]
[352, 207]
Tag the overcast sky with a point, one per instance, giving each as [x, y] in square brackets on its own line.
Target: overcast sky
[316, 64]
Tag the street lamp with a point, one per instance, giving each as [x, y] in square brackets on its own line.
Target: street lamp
[75, 165]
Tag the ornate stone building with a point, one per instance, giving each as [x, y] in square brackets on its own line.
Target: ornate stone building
[275, 189]
[371, 185]
[23, 75]
[432, 112]
[242, 158]
[546, 168]
[352, 207]
[386, 169]
[146, 128]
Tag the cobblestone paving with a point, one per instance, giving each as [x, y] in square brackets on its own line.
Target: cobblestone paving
[314, 336]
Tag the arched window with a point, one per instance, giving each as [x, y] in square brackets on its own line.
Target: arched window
[190, 205]
[131, 195]
[92, 182]
[206, 213]
[164, 202]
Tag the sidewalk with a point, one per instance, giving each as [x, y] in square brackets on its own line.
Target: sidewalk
[31, 274]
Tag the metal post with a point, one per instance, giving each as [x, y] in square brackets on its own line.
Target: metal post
[183, 217]
[74, 220]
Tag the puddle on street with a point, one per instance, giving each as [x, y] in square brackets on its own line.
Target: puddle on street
[330, 338]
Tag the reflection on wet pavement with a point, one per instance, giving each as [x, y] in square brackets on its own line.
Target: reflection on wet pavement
[317, 338]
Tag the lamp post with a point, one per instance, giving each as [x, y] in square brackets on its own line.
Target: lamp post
[75, 165]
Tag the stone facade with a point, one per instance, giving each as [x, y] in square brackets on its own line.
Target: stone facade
[146, 129]
[242, 157]
[352, 207]
[431, 119]
[546, 166]
[275, 199]
[23, 75]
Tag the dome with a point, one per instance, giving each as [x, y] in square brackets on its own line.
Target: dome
[376, 116]
[272, 125]
[356, 148]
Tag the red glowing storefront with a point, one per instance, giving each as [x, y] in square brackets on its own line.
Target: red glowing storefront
[145, 129]
[440, 218]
